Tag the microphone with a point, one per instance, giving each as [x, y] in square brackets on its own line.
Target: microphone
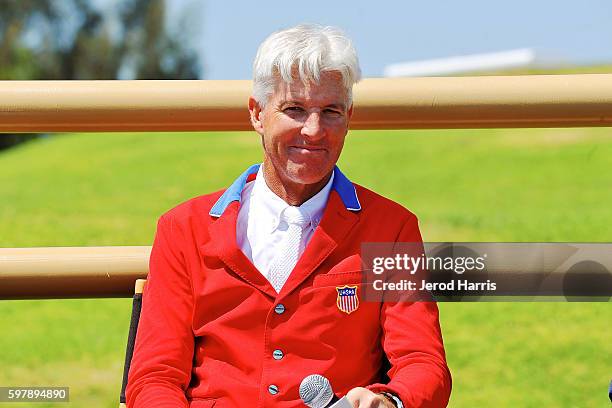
[316, 392]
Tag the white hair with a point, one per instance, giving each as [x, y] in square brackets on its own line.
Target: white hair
[308, 48]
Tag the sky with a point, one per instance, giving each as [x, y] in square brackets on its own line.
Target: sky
[385, 32]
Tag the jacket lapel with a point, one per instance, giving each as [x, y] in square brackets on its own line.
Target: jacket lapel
[335, 225]
[338, 219]
[223, 245]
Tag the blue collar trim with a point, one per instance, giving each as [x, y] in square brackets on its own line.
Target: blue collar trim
[343, 186]
[346, 190]
[233, 192]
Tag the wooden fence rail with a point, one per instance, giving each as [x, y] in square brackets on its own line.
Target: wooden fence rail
[404, 103]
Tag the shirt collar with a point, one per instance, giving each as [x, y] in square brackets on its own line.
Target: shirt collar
[339, 182]
[273, 207]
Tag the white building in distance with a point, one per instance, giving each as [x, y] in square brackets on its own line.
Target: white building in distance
[494, 61]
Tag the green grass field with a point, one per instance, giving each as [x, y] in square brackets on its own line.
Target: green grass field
[465, 185]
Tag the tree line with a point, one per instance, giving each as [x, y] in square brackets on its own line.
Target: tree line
[85, 40]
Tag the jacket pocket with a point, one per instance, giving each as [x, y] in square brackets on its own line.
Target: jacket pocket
[338, 279]
[203, 403]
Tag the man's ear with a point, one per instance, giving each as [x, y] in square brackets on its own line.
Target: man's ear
[255, 111]
[350, 111]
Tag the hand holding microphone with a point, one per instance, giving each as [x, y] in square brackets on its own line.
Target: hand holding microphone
[316, 392]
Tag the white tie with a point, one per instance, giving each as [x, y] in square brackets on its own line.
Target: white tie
[287, 257]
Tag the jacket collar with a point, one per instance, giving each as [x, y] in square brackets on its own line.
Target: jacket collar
[333, 230]
[341, 184]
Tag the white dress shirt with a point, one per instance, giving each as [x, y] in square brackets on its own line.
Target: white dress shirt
[260, 227]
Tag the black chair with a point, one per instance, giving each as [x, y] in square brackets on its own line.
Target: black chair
[136, 307]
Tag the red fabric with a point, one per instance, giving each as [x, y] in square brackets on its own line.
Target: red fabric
[208, 327]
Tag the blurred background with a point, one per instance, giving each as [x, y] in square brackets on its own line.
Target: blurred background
[521, 185]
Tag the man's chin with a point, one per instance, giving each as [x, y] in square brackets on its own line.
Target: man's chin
[305, 174]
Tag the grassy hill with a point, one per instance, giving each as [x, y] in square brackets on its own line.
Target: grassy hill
[465, 185]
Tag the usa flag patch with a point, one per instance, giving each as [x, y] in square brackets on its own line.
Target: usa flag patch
[347, 300]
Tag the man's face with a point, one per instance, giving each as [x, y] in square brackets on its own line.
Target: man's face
[303, 128]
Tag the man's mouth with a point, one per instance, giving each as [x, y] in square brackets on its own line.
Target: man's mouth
[308, 149]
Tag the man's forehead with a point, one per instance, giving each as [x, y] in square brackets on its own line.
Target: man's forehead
[329, 88]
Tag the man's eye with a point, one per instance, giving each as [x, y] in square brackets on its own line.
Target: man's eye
[332, 113]
[293, 109]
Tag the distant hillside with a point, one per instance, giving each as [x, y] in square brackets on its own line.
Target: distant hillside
[512, 184]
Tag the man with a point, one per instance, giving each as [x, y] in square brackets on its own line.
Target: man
[244, 292]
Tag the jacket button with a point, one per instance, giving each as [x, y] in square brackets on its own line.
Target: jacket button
[273, 389]
[279, 309]
[277, 354]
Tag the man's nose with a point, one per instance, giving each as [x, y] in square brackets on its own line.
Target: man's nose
[312, 127]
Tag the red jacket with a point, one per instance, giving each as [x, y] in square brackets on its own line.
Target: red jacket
[213, 332]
